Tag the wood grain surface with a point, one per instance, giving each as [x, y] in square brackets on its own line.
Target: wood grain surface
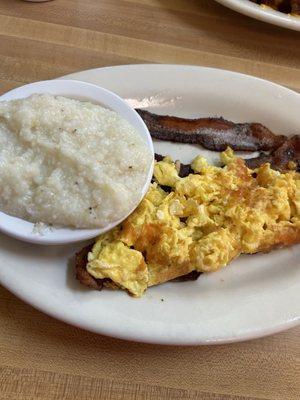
[41, 358]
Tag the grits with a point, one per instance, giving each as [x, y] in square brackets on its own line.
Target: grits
[69, 163]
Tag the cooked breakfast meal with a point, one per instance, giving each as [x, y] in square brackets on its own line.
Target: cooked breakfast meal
[68, 162]
[72, 163]
[198, 218]
[286, 6]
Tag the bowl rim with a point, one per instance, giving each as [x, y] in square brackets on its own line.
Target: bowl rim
[22, 229]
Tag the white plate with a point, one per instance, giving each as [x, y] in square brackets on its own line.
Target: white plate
[256, 295]
[263, 13]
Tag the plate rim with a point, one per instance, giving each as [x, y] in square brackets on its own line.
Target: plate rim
[140, 337]
[270, 16]
[167, 341]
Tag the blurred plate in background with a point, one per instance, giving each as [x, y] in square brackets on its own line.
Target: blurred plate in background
[265, 14]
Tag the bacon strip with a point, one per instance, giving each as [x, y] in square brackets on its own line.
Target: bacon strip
[212, 133]
[280, 159]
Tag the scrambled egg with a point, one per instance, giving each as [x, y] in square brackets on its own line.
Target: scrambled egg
[202, 222]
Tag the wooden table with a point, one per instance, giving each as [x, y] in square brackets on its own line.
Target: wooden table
[41, 358]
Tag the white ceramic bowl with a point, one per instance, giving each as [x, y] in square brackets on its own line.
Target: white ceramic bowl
[23, 230]
[265, 14]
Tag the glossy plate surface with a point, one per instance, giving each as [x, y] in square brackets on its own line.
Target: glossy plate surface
[255, 296]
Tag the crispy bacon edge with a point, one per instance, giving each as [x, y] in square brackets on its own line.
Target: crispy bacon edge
[212, 133]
